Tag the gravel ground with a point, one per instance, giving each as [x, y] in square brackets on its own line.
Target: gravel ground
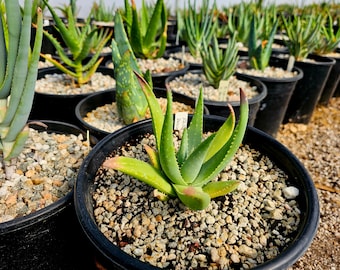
[317, 145]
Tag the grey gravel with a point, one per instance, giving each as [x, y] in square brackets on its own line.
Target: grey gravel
[37, 177]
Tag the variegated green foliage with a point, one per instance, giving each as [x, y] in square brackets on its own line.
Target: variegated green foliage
[303, 31]
[80, 41]
[259, 51]
[197, 27]
[147, 28]
[330, 36]
[18, 74]
[188, 172]
[219, 64]
[130, 100]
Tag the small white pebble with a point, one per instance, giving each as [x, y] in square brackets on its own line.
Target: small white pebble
[290, 192]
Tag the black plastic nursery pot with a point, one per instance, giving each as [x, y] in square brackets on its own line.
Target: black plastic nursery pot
[308, 90]
[182, 48]
[49, 238]
[112, 257]
[279, 91]
[220, 108]
[58, 107]
[332, 83]
[107, 97]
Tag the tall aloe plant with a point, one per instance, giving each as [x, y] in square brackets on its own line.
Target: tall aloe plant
[188, 172]
[18, 74]
[131, 103]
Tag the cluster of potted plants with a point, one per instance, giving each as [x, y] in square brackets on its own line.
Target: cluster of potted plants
[205, 186]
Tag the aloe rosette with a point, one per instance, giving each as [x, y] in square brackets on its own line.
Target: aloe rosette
[80, 41]
[189, 172]
[18, 74]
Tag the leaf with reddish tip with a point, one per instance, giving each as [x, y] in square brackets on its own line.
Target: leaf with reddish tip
[193, 197]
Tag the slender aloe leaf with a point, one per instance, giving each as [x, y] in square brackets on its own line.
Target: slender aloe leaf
[13, 148]
[195, 128]
[26, 99]
[183, 150]
[193, 197]
[216, 163]
[142, 171]
[167, 153]
[151, 32]
[14, 28]
[153, 156]
[3, 52]
[155, 109]
[223, 134]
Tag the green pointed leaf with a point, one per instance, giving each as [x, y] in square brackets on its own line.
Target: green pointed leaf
[142, 171]
[220, 188]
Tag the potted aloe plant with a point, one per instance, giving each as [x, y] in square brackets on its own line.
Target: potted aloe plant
[75, 67]
[303, 32]
[278, 77]
[219, 80]
[37, 223]
[168, 215]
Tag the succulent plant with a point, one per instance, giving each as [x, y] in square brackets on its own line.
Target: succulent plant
[189, 172]
[18, 74]
[100, 12]
[79, 41]
[259, 51]
[330, 38]
[147, 32]
[131, 103]
[303, 33]
[219, 64]
[197, 28]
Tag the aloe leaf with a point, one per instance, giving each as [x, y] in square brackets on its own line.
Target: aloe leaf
[151, 32]
[86, 75]
[26, 99]
[220, 188]
[136, 39]
[155, 109]
[218, 162]
[223, 134]
[142, 171]
[14, 27]
[3, 52]
[193, 163]
[183, 150]
[21, 65]
[167, 153]
[193, 197]
[57, 64]
[195, 128]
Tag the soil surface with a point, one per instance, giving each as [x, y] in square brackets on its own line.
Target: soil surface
[317, 145]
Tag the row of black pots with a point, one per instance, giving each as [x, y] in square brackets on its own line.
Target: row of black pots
[49, 238]
[110, 256]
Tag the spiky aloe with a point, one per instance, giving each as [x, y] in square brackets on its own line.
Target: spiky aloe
[303, 33]
[18, 74]
[147, 32]
[130, 100]
[197, 28]
[187, 173]
[79, 42]
[330, 38]
[219, 64]
[259, 51]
